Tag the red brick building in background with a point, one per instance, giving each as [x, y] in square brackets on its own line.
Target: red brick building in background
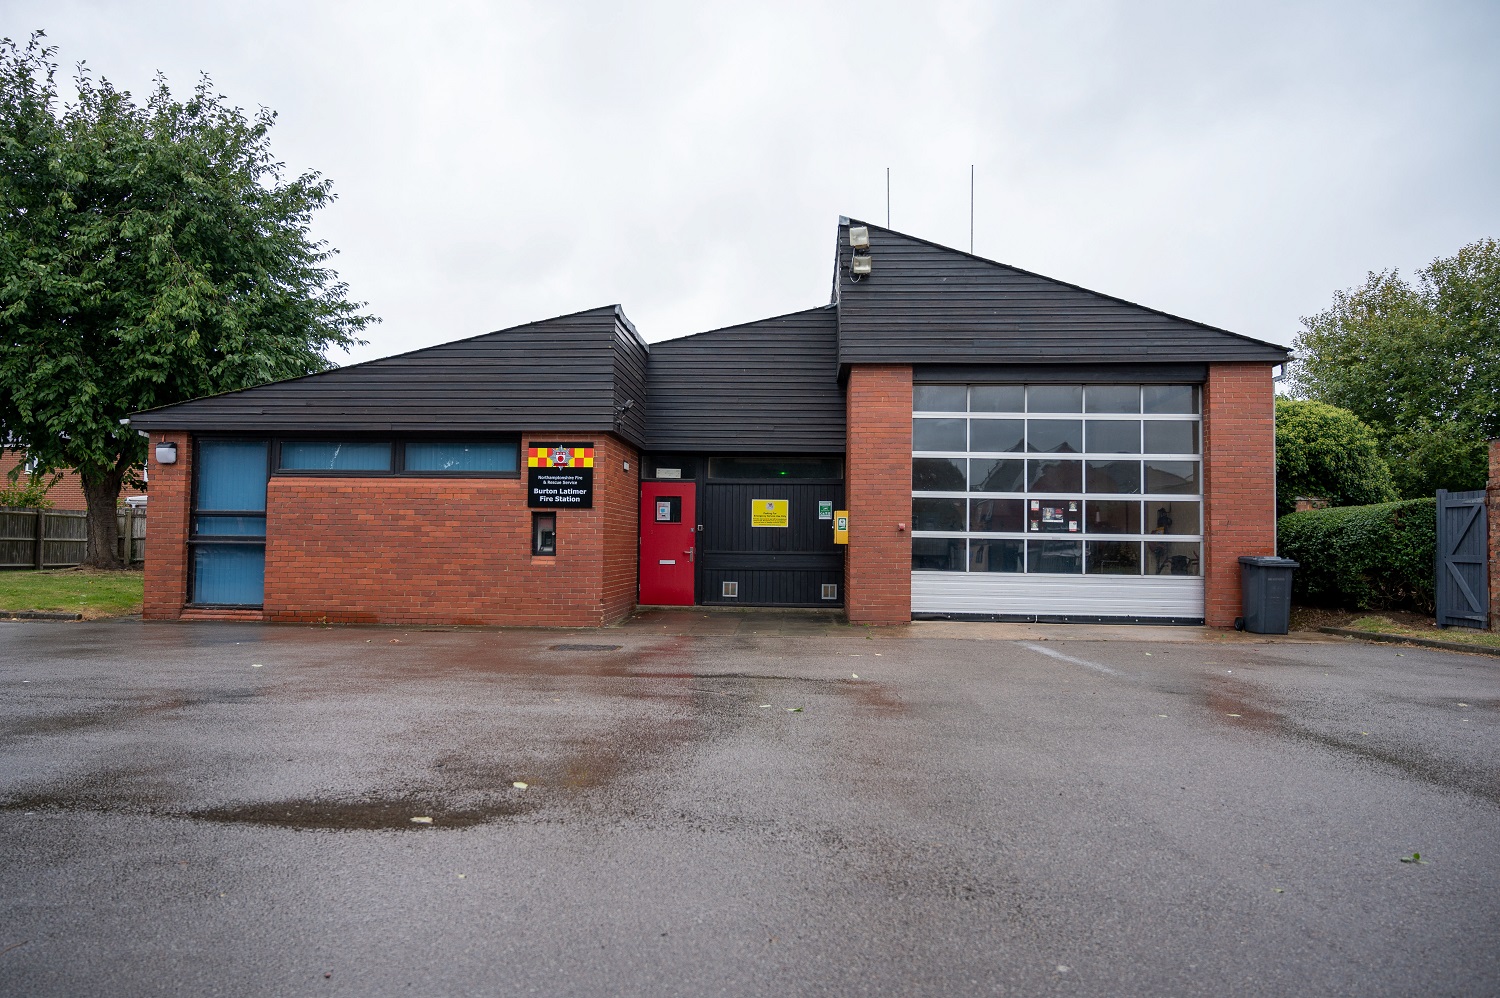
[1004, 445]
[65, 493]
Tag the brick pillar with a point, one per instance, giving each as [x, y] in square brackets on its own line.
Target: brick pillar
[167, 529]
[1492, 504]
[877, 572]
[1239, 481]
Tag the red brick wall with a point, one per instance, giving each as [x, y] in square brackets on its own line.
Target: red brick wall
[1239, 481]
[426, 550]
[1492, 500]
[167, 530]
[877, 572]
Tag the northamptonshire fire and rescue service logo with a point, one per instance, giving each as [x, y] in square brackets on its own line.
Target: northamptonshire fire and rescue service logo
[559, 456]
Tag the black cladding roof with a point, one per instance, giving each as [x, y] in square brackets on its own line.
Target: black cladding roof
[575, 373]
[925, 303]
[761, 386]
[768, 386]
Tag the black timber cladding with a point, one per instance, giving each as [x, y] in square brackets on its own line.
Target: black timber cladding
[767, 386]
[570, 374]
[925, 303]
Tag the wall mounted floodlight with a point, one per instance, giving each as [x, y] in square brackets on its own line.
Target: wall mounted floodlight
[860, 264]
[859, 236]
[166, 453]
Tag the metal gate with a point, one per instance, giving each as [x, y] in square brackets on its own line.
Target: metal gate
[1462, 560]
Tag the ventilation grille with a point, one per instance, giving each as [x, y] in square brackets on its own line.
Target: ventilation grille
[731, 590]
[830, 590]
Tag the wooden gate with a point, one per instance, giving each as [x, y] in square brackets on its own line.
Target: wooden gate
[1463, 597]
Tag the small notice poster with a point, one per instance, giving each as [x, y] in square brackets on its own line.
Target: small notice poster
[825, 509]
[770, 513]
[663, 512]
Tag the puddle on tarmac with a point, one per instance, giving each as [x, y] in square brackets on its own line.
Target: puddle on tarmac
[591, 759]
[362, 815]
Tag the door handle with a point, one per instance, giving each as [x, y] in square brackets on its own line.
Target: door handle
[689, 553]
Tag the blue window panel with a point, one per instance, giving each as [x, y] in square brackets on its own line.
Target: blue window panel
[229, 526]
[232, 474]
[229, 573]
[335, 455]
[457, 458]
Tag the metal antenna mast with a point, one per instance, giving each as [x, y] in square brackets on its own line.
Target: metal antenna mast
[887, 197]
[971, 209]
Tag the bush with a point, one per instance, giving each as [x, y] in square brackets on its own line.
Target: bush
[1363, 557]
[30, 494]
[1325, 452]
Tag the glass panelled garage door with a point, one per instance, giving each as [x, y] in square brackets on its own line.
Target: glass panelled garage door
[1057, 501]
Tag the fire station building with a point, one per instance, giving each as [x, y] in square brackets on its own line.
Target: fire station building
[994, 444]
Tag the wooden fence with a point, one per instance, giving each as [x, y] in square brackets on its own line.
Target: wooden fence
[58, 538]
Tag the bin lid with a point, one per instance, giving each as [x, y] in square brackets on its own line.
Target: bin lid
[1268, 561]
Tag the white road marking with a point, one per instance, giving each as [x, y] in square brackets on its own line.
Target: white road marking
[1051, 653]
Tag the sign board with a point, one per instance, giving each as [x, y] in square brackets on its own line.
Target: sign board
[663, 512]
[560, 475]
[825, 509]
[841, 527]
[770, 513]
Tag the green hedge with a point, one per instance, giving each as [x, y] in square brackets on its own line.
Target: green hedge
[1363, 557]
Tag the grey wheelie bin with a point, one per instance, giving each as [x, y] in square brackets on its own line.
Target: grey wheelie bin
[1266, 594]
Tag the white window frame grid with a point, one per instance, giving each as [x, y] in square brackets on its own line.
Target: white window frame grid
[1083, 535]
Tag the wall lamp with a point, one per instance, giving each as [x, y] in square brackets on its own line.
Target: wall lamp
[166, 453]
[859, 239]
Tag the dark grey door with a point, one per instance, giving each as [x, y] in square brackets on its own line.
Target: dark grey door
[791, 562]
[1463, 596]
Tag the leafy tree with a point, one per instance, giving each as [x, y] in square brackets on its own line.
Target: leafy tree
[1325, 452]
[149, 254]
[1420, 363]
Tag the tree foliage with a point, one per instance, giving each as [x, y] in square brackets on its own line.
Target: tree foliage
[1326, 452]
[149, 254]
[1419, 362]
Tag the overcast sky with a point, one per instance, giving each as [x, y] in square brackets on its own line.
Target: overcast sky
[500, 163]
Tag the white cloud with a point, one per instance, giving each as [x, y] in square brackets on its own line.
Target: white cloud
[499, 163]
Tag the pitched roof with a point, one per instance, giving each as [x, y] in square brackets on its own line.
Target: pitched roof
[767, 386]
[573, 373]
[926, 303]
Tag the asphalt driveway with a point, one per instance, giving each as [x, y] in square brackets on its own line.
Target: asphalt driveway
[792, 809]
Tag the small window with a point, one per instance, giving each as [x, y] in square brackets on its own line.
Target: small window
[459, 457]
[1170, 398]
[668, 509]
[544, 533]
[997, 398]
[731, 590]
[335, 455]
[938, 398]
[830, 590]
[762, 468]
[938, 434]
[937, 474]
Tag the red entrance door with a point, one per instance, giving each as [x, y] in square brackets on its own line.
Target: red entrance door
[669, 518]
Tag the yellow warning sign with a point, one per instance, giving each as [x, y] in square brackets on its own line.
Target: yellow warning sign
[769, 513]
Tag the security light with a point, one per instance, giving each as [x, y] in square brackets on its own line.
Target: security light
[859, 236]
[860, 264]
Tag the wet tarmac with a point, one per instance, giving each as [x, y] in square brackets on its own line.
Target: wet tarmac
[742, 804]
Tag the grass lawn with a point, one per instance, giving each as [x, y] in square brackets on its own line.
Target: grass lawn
[1461, 635]
[72, 590]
